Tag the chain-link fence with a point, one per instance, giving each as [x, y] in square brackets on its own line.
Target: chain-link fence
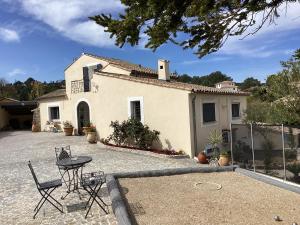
[268, 149]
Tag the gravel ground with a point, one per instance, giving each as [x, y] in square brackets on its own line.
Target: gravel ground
[241, 200]
[18, 193]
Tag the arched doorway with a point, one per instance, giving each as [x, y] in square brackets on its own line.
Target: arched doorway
[83, 116]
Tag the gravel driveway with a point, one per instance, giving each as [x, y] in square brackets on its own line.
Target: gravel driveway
[18, 194]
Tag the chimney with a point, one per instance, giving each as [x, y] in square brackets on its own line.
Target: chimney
[163, 70]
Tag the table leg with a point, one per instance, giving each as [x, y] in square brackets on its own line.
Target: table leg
[69, 186]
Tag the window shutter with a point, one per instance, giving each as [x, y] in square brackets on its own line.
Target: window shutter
[209, 114]
[86, 79]
[235, 110]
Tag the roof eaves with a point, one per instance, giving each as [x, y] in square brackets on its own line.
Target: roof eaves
[59, 93]
[174, 85]
[49, 97]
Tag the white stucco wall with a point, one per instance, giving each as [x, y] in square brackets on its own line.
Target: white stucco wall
[44, 106]
[222, 113]
[165, 109]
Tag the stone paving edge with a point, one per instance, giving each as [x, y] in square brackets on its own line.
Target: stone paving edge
[118, 204]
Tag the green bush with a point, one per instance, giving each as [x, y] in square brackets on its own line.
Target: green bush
[294, 168]
[242, 152]
[291, 154]
[133, 133]
[267, 150]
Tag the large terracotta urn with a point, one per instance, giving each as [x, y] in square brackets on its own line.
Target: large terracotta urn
[202, 158]
[91, 137]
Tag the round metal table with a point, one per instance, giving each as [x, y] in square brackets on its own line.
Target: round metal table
[74, 164]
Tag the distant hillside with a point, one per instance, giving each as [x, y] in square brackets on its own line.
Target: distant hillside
[29, 89]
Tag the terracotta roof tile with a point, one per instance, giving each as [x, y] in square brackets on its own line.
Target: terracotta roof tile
[54, 94]
[174, 84]
[125, 65]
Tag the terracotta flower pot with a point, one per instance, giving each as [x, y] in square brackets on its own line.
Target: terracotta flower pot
[92, 137]
[224, 160]
[85, 130]
[202, 158]
[68, 131]
[35, 128]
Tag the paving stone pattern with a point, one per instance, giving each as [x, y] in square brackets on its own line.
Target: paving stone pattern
[18, 193]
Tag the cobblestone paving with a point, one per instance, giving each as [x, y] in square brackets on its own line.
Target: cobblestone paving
[18, 193]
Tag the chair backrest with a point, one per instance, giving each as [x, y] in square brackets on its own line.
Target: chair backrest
[63, 152]
[33, 174]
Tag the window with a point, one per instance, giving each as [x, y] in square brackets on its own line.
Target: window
[135, 107]
[54, 113]
[235, 110]
[225, 136]
[161, 67]
[209, 114]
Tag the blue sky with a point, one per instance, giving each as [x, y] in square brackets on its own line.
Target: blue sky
[40, 38]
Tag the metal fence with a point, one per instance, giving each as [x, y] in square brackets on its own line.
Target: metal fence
[269, 149]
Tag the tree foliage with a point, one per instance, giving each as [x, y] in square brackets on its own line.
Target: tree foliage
[278, 101]
[207, 80]
[29, 89]
[250, 82]
[196, 24]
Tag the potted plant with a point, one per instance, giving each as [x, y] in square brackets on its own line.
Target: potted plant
[92, 135]
[68, 128]
[214, 139]
[202, 158]
[224, 158]
[86, 127]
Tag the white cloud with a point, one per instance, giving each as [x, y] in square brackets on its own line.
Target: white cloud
[16, 72]
[212, 59]
[70, 18]
[262, 43]
[9, 35]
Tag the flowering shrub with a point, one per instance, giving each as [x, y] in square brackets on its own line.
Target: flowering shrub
[92, 128]
[133, 133]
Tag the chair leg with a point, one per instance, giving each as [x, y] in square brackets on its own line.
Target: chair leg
[38, 204]
[56, 201]
[94, 195]
[41, 202]
[45, 195]
[99, 189]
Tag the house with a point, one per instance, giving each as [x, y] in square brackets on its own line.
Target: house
[101, 90]
[15, 114]
[227, 85]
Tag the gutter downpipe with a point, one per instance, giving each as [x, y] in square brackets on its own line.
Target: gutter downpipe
[194, 124]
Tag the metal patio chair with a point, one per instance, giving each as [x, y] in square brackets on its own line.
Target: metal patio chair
[45, 189]
[63, 153]
[92, 183]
